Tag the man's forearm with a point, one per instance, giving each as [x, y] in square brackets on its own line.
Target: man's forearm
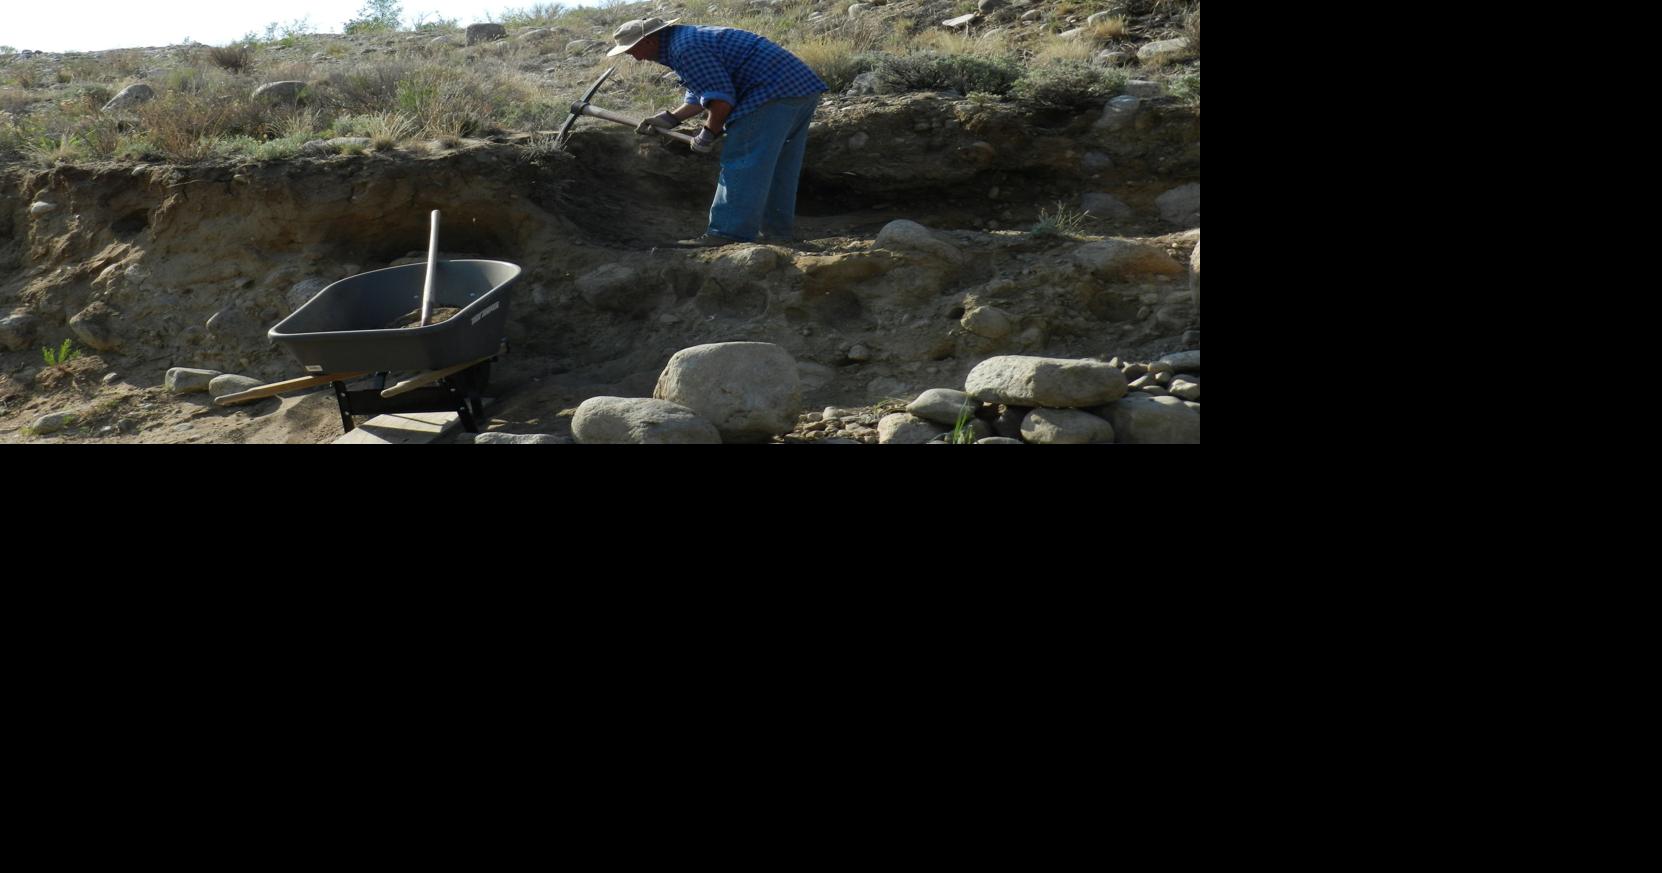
[688, 111]
[719, 110]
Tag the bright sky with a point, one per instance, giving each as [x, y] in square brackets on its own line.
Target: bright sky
[96, 25]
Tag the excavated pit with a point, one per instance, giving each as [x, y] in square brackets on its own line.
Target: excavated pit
[155, 266]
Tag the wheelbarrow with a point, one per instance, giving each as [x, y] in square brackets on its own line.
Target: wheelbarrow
[349, 331]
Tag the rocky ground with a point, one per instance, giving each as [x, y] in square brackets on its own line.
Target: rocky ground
[922, 268]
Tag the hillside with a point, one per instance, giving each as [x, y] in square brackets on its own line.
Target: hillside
[175, 230]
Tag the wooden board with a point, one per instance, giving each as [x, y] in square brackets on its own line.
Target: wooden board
[405, 429]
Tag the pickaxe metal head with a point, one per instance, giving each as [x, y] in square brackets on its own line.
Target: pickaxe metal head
[577, 109]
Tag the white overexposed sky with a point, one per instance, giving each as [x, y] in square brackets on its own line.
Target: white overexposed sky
[97, 25]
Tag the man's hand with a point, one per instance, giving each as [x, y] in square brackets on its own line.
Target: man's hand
[661, 121]
[705, 141]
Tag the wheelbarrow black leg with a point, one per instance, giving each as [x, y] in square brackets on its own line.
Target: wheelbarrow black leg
[345, 403]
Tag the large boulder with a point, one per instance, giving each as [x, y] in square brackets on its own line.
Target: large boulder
[909, 236]
[1181, 206]
[1183, 362]
[942, 406]
[1119, 113]
[95, 326]
[185, 380]
[1140, 419]
[1056, 383]
[1194, 276]
[1048, 427]
[17, 331]
[222, 386]
[749, 391]
[279, 92]
[903, 429]
[1118, 260]
[640, 421]
[478, 33]
[1165, 51]
[130, 96]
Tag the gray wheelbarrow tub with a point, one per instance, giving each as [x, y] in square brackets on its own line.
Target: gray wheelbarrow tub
[343, 328]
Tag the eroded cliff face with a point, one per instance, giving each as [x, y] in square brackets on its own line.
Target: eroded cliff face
[154, 266]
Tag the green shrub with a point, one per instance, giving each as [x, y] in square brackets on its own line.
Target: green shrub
[1068, 84]
[377, 16]
[932, 72]
[1064, 223]
[1186, 86]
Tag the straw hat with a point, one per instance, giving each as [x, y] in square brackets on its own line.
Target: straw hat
[632, 32]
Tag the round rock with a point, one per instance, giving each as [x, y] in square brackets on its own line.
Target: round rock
[1057, 383]
[750, 391]
[640, 421]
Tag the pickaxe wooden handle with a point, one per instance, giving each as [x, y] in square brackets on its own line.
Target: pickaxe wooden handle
[626, 121]
[582, 107]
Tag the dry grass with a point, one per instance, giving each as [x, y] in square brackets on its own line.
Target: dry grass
[449, 93]
[956, 42]
[389, 130]
[1056, 50]
[837, 61]
[234, 58]
[291, 71]
[295, 124]
[636, 86]
[186, 126]
[1107, 31]
[15, 100]
[127, 62]
[91, 99]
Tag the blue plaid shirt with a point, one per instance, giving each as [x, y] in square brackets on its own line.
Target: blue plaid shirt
[746, 70]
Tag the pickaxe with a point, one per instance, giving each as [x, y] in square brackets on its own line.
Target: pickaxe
[582, 107]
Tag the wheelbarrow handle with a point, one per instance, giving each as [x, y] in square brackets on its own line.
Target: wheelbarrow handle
[277, 388]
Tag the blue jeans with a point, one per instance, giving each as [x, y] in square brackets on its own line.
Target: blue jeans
[761, 162]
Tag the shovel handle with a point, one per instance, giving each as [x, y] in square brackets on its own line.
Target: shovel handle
[432, 272]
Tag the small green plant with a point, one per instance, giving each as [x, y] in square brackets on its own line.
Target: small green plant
[1064, 223]
[962, 432]
[1186, 87]
[64, 355]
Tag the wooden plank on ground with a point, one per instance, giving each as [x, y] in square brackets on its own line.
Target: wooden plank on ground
[407, 428]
